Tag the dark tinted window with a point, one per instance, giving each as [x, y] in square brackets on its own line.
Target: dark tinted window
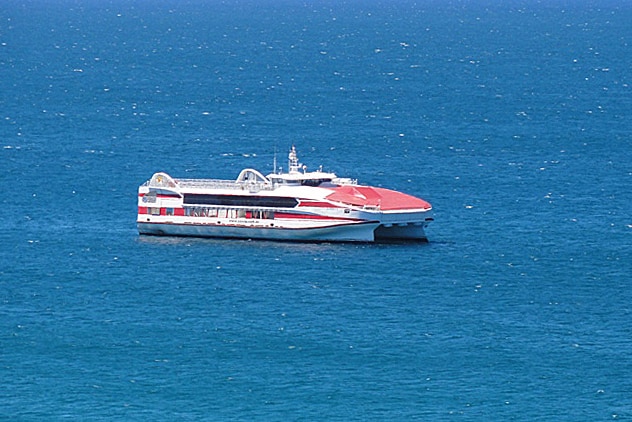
[240, 200]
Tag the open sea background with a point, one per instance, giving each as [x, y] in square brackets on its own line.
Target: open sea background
[514, 120]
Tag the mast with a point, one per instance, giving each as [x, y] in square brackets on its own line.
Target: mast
[293, 165]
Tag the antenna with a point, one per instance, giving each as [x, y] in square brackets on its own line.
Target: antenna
[293, 163]
[274, 163]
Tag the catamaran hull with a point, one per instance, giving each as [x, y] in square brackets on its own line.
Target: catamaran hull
[411, 231]
[354, 232]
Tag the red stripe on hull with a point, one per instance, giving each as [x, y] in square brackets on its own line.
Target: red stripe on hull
[312, 217]
[316, 204]
[161, 196]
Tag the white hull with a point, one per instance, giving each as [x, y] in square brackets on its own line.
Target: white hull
[353, 232]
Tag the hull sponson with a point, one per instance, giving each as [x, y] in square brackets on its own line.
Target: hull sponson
[353, 232]
[407, 232]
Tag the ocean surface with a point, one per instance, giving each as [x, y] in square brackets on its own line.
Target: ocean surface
[514, 120]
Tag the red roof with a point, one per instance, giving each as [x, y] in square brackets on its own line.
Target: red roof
[386, 199]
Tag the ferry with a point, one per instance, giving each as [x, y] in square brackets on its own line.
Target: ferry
[296, 205]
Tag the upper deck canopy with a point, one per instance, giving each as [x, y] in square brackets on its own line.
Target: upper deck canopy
[384, 199]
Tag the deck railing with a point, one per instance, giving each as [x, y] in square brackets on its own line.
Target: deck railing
[227, 184]
[223, 184]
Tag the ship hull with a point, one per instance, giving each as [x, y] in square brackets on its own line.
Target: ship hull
[403, 232]
[353, 232]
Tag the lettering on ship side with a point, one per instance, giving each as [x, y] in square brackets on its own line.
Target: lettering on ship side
[246, 222]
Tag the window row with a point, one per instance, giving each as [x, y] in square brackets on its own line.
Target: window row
[228, 213]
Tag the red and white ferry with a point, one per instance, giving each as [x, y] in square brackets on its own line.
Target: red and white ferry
[297, 205]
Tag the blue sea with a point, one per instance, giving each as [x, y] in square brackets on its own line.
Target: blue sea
[514, 119]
